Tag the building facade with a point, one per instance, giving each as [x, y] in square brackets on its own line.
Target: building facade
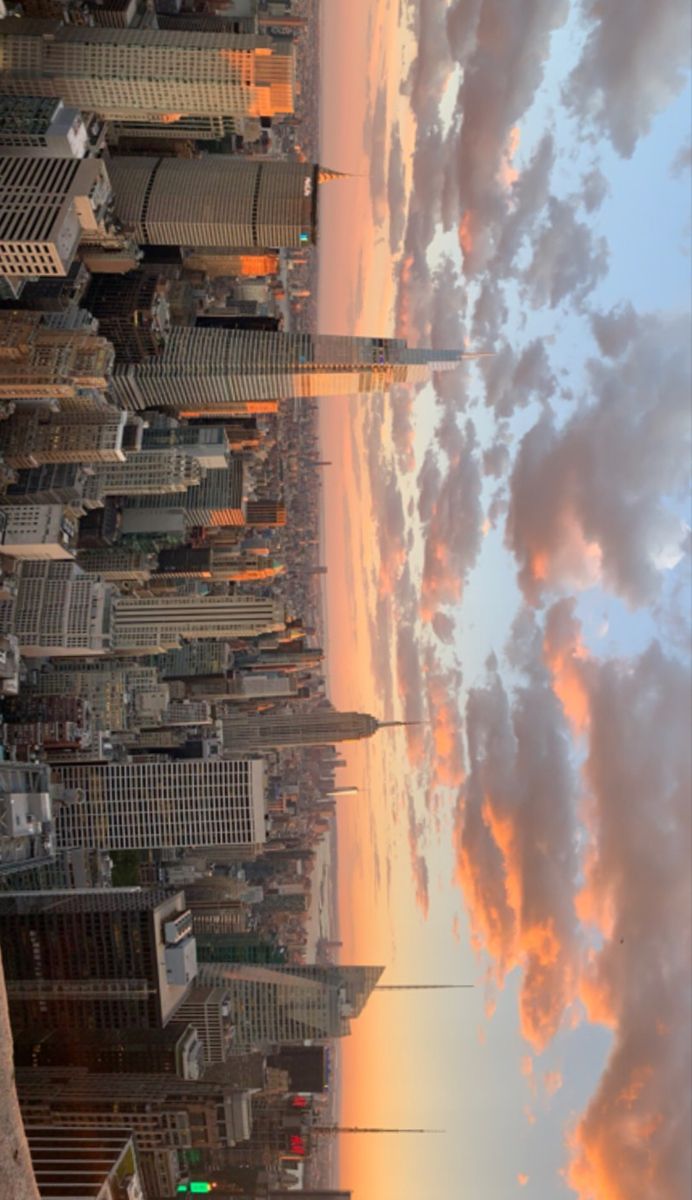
[148, 73]
[168, 804]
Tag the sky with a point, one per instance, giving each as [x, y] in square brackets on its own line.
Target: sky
[509, 564]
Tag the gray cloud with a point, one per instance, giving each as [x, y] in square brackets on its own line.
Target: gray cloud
[567, 259]
[634, 62]
[593, 495]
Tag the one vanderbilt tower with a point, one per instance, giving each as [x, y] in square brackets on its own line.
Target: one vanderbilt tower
[203, 370]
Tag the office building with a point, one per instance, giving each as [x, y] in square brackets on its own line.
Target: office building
[117, 564]
[132, 311]
[161, 1110]
[195, 658]
[208, 1010]
[217, 499]
[175, 1050]
[208, 369]
[84, 1164]
[53, 483]
[40, 531]
[148, 73]
[112, 958]
[218, 201]
[168, 804]
[265, 514]
[249, 263]
[44, 363]
[46, 205]
[41, 127]
[316, 727]
[26, 817]
[153, 475]
[151, 624]
[58, 610]
[33, 439]
[119, 694]
[207, 443]
[284, 1005]
[306, 1067]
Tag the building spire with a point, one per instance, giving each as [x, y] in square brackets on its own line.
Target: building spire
[325, 175]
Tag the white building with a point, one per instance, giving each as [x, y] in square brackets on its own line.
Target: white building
[46, 204]
[157, 805]
[39, 531]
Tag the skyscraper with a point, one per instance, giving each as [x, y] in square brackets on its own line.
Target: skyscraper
[284, 1005]
[58, 611]
[316, 727]
[117, 958]
[168, 804]
[220, 200]
[151, 624]
[45, 206]
[148, 73]
[234, 368]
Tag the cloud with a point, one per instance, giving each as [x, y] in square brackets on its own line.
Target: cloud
[633, 1139]
[595, 188]
[513, 380]
[616, 330]
[682, 161]
[453, 529]
[590, 502]
[419, 866]
[568, 260]
[522, 1179]
[444, 627]
[552, 1082]
[634, 62]
[515, 843]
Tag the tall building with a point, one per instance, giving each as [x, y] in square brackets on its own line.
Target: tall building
[83, 1164]
[114, 958]
[220, 200]
[26, 817]
[58, 610]
[161, 1110]
[40, 531]
[152, 475]
[284, 1005]
[46, 204]
[217, 499]
[148, 625]
[41, 127]
[140, 73]
[265, 514]
[232, 369]
[316, 727]
[174, 1050]
[41, 363]
[132, 312]
[33, 440]
[249, 263]
[208, 1010]
[168, 804]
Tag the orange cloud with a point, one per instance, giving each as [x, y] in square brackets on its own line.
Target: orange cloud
[564, 654]
[552, 1082]
[466, 233]
[522, 1179]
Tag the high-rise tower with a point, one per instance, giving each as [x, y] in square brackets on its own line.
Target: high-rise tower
[171, 804]
[148, 73]
[220, 200]
[321, 726]
[236, 369]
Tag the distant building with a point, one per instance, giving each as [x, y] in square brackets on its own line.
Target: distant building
[315, 727]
